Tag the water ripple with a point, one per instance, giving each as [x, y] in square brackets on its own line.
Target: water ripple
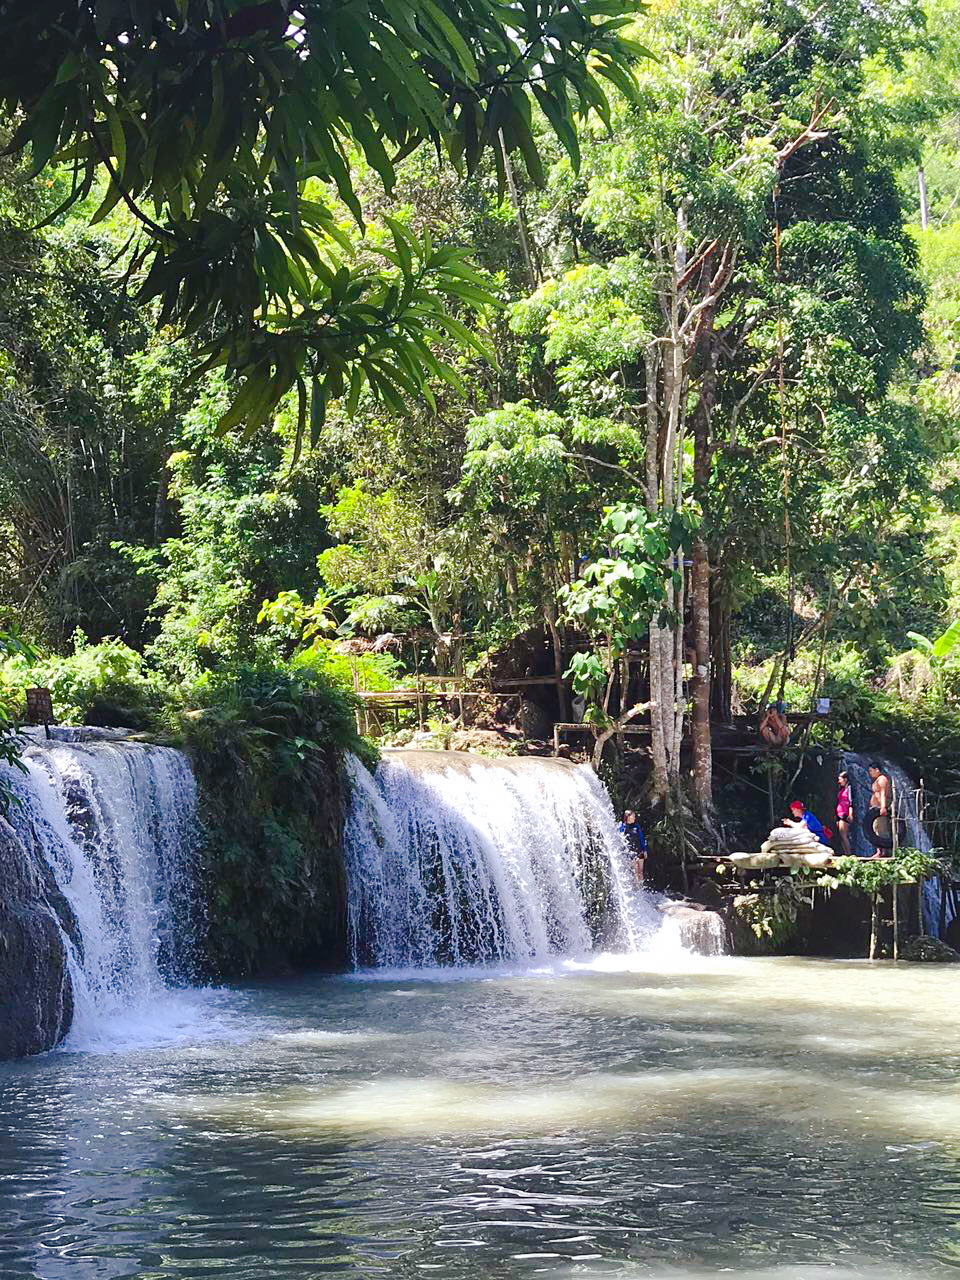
[744, 1120]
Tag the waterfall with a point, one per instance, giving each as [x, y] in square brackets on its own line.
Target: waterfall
[456, 859]
[912, 835]
[113, 820]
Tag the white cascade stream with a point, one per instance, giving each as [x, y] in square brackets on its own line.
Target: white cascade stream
[451, 860]
[456, 860]
[114, 820]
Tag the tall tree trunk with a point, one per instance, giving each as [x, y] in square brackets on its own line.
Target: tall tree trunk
[674, 400]
[700, 715]
[658, 741]
[700, 593]
[665, 417]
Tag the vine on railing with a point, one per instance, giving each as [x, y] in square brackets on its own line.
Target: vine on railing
[873, 875]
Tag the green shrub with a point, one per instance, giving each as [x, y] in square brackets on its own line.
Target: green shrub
[378, 671]
[106, 684]
[922, 736]
[766, 922]
[267, 748]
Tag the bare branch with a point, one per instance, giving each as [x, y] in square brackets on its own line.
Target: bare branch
[696, 264]
[741, 403]
[618, 724]
[599, 462]
[812, 133]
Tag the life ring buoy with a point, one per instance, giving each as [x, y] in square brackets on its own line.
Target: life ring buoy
[876, 839]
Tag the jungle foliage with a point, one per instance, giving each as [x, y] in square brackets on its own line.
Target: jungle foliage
[676, 396]
[267, 748]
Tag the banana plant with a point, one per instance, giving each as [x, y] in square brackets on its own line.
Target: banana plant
[936, 654]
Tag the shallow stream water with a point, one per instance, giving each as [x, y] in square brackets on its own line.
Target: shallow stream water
[691, 1118]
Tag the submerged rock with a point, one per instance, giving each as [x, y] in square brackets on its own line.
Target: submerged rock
[36, 996]
[930, 951]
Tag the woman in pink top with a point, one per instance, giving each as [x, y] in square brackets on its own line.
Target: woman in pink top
[844, 811]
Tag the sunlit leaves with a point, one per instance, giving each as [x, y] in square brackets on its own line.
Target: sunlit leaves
[620, 591]
[209, 116]
[370, 320]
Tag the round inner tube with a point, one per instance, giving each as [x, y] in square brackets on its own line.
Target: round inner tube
[876, 839]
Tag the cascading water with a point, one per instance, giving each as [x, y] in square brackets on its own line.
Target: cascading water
[113, 820]
[913, 834]
[939, 903]
[456, 859]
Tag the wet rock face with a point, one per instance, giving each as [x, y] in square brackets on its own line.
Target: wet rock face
[930, 951]
[701, 930]
[36, 997]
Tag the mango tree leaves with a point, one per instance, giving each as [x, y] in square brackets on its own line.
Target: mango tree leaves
[210, 116]
[354, 325]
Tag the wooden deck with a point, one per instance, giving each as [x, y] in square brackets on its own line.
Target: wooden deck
[737, 737]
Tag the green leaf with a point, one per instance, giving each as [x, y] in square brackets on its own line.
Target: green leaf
[945, 644]
[118, 141]
[318, 410]
[114, 194]
[921, 643]
[301, 419]
[439, 19]
[69, 69]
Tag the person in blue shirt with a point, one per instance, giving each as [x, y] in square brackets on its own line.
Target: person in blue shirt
[636, 842]
[802, 817]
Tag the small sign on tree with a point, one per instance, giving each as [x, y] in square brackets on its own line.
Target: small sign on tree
[39, 706]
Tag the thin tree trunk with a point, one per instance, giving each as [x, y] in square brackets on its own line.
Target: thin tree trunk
[675, 386]
[658, 743]
[160, 506]
[557, 664]
[722, 673]
[896, 922]
[924, 206]
[702, 743]
[700, 599]
[521, 217]
[873, 926]
[679, 702]
[512, 587]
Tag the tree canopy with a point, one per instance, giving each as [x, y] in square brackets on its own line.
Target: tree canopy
[232, 132]
[701, 304]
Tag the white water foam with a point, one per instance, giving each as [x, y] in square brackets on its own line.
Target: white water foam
[114, 821]
[457, 860]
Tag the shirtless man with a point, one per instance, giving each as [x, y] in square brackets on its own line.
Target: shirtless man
[880, 799]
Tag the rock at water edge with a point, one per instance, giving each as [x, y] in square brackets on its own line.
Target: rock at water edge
[930, 951]
[36, 996]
